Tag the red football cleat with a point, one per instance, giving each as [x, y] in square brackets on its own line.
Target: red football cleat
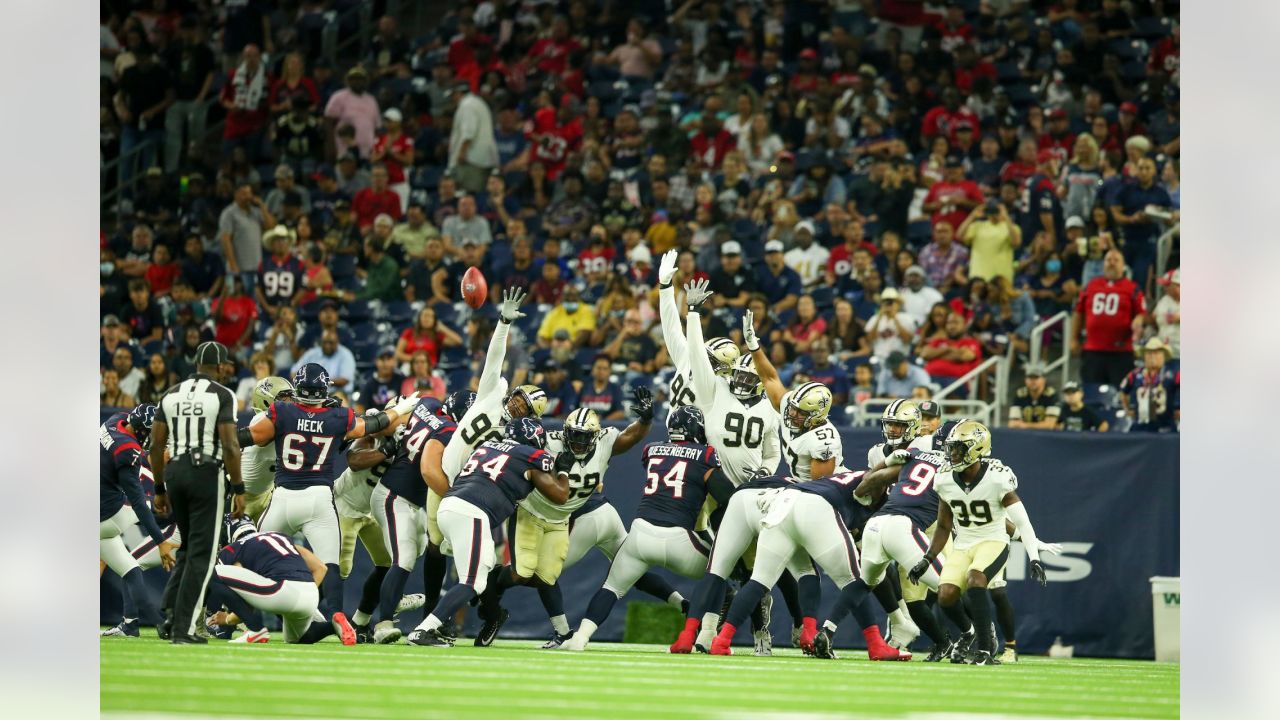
[723, 642]
[878, 649]
[807, 634]
[684, 643]
[343, 627]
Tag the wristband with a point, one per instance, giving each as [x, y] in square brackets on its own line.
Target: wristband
[663, 287]
[159, 489]
[237, 489]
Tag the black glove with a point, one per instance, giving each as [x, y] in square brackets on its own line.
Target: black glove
[643, 405]
[564, 461]
[332, 402]
[1037, 573]
[919, 570]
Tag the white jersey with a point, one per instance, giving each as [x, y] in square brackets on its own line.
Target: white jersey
[485, 419]
[352, 489]
[803, 447]
[584, 477]
[746, 436]
[258, 465]
[978, 513]
[877, 454]
[681, 392]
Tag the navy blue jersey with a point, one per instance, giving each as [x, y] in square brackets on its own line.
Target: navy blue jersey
[269, 554]
[404, 477]
[768, 482]
[913, 495]
[838, 491]
[280, 280]
[308, 437]
[595, 500]
[677, 487]
[493, 479]
[120, 460]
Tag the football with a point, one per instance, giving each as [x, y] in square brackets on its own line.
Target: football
[474, 288]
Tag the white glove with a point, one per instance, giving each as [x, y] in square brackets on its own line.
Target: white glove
[667, 267]
[509, 311]
[1051, 548]
[749, 332]
[696, 293]
[406, 405]
[898, 457]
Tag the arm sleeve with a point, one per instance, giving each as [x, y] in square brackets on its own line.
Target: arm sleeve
[1017, 514]
[672, 335]
[127, 476]
[497, 354]
[699, 364]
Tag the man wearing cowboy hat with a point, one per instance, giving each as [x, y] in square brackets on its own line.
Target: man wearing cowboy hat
[1150, 394]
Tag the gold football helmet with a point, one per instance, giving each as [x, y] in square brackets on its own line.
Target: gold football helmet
[967, 443]
[533, 402]
[744, 381]
[900, 422]
[581, 429]
[807, 406]
[268, 390]
[723, 353]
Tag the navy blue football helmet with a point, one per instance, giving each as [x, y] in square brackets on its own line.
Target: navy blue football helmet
[526, 431]
[457, 404]
[311, 384]
[141, 418]
[233, 530]
[687, 424]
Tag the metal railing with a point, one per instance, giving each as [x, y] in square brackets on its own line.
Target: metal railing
[870, 409]
[1037, 341]
[996, 367]
[1164, 245]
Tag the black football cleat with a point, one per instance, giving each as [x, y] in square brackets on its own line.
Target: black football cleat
[982, 657]
[556, 640]
[429, 638]
[938, 653]
[185, 639]
[822, 645]
[959, 650]
[364, 634]
[164, 630]
[489, 630]
[449, 630]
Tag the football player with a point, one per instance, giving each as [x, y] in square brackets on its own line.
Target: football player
[681, 473]
[306, 434]
[141, 546]
[975, 496]
[722, 353]
[258, 464]
[497, 476]
[541, 537]
[816, 518]
[122, 504]
[400, 498]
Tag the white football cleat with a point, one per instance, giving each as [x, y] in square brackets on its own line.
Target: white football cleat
[386, 633]
[1009, 655]
[573, 644]
[901, 635]
[252, 637]
[409, 602]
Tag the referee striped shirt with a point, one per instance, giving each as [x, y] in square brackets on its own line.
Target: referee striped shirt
[193, 409]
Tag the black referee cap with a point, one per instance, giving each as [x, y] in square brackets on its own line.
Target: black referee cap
[930, 408]
[211, 353]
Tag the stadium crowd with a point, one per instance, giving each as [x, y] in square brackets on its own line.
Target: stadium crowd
[898, 189]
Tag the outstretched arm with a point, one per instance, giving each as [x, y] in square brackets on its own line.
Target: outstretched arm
[704, 378]
[672, 333]
[508, 313]
[773, 386]
[636, 431]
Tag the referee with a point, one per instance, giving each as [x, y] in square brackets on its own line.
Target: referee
[195, 422]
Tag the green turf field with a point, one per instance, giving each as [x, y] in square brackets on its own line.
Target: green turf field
[515, 679]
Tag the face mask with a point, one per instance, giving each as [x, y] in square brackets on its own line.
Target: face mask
[571, 307]
[108, 268]
[1053, 266]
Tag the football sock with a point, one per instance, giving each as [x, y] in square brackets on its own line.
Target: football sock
[560, 624]
[392, 590]
[899, 617]
[757, 617]
[317, 632]
[745, 602]
[980, 605]
[1004, 615]
[865, 616]
[453, 600]
[810, 587]
[708, 596]
[956, 614]
[552, 600]
[370, 594]
[434, 565]
[600, 606]
[853, 595]
[331, 591]
[135, 595]
[927, 623]
[586, 629]
[654, 584]
[886, 597]
[675, 600]
[789, 587]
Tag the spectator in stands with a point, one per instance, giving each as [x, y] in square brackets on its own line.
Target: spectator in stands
[944, 260]
[335, 358]
[383, 384]
[389, 52]
[1051, 291]
[428, 276]
[293, 84]
[862, 386]
[282, 340]
[352, 106]
[111, 396]
[286, 185]
[381, 274]
[780, 284]
[639, 57]
[600, 393]
[134, 260]
[992, 237]
[260, 366]
[114, 335]
[571, 315]
[806, 328]
[890, 328]
[807, 258]
[421, 380]
[394, 149]
[1074, 415]
[162, 271]
[561, 394]
[412, 234]
[279, 274]
[142, 315]
[240, 229]
[193, 65]
[298, 140]
[950, 358]
[146, 92]
[1151, 394]
[917, 297]
[1109, 315]
[847, 337]
[127, 372]
[1082, 177]
[245, 97]
[759, 144]
[898, 376]
[1168, 312]
[633, 347]
[233, 315]
[473, 149]
[1014, 311]
[953, 198]
[348, 176]
[1139, 229]
[816, 366]
[375, 200]
[157, 379]
[467, 224]
[1035, 404]
[427, 335]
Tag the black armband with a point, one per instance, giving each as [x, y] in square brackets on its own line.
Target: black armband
[244, 437]
[237, 489]
[663, 287]
[376, 422]
[159, 488]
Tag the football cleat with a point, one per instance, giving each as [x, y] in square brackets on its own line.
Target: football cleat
[386, 633]
[252, 637]
[901, 635]
[764, 643]
[938, 653]
[185, 639]
[960, 648]
[489, 630]
[429, 638]
[982, 657]
[722, 645]
[684, 643]
[885, 652]
[126, 628]
[699, 647]
[822, 645]
[342, 628]
[806, 638]
[1009, 655]
[556, 640]
[410, 602]
[796, 632]
[164, 630]
[364, 635]
[449, 629]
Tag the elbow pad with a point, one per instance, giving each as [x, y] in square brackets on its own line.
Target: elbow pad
[375, 422]
[244, 437]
